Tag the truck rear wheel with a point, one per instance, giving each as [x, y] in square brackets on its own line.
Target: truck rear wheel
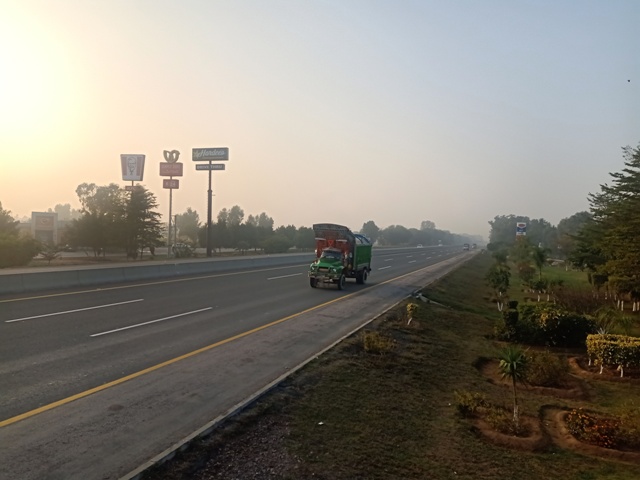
[361, 277]
[313, 282]
[341, 282]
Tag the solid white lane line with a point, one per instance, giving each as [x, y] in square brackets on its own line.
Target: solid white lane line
[73, 311]
[284, 276]
[150, 322]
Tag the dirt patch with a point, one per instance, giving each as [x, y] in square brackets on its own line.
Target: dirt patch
[581, 368]
[536, 441]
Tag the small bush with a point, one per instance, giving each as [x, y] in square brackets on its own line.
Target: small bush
[546, 370]
[545, 324]
[412, 309]
[376, 343]
[276, 244]
[468, 404]
[17, 251]
[501, 420]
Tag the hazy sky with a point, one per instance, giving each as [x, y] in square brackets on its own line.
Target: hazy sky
[339, 111]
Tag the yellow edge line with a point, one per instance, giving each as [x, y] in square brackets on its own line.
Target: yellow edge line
[113, 383]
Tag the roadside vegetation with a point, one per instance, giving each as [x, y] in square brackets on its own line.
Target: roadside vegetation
[523, 363]
[419, 393]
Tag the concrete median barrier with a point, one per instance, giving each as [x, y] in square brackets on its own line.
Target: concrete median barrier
[22, 280]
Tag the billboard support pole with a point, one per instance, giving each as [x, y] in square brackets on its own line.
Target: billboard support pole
[169, 253]
[209, 225]
[210, 154]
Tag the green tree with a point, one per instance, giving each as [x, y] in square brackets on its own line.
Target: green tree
[289, 231]
[615, 229]
[14, 249]
[427, 225]
[8, 225]
[568, 230]
[265, 222]
[539, 256]
[65, 212]
[101, 225]
[370, 230]
[540, 232]
[114, 218]
[513, 366]
[305, 238]
[503, 228]
[235, 216]
[498, 279]
[276, 244]
[395, 235]
[188, 225]
[142, 225]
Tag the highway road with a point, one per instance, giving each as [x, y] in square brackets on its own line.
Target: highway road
[96, 383]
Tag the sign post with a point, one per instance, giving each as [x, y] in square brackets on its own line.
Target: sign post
[172, 168]
[210, 155]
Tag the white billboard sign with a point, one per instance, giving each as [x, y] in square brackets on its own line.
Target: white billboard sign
[132, 167]
[210, 154]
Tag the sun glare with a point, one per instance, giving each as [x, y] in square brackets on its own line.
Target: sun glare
[34, 87]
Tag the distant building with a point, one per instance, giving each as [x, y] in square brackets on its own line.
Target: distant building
[44, 227]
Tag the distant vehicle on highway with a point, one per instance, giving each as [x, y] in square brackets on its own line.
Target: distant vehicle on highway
[419, 245]
[465, 246]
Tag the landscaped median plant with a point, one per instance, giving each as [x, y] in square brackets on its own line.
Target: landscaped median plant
[513, 366]
[412, 309]
[620, 350]
[469, 404]
[377, 343]
[475, 405]
[598, 430]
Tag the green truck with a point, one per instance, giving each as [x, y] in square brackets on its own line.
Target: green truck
[340, 254]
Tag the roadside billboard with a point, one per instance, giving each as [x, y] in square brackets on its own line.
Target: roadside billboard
[170, 169]
[132, 167]
[210, 154]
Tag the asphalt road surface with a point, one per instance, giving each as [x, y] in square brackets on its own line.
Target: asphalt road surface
[97, 383]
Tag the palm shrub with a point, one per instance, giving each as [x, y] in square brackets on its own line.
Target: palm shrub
[513, 366]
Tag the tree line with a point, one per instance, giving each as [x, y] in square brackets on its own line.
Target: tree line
[115, 220]
[603, 241]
